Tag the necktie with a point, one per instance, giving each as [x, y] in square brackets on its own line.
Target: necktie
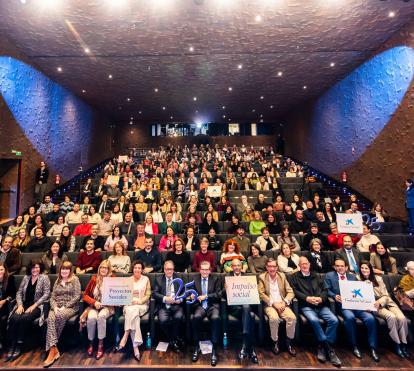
[352, 261]
[342, 277]
[204, 292]
[168, 291]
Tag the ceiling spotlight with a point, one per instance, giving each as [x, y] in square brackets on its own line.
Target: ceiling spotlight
[332, 64]
[131, 118]
[128, 99]
[240, 66]
[156, 90]
[253, 110]
[191, 49]
[272, 106]
[229, 120]
[171, 117]
[258, 18]
[391, 14]
[280, 73]
[262, 97]
[196, 111]
[130, 123]
[194, 99]
[224, 116]
[83, 91]
[261, 115]
[223, 107]
[87, 50]
[23, 1]
[163, 108]
[59, 69]
[139, 112]
[110, 77]
[230, 88]
[304, 87]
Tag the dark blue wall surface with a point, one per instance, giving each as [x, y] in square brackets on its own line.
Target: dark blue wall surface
[349, 116]
[56, 122]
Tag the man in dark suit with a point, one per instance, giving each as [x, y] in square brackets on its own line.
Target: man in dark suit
[332, 284]
[104, 205]
[98, 190]
[10, 256]
[207, 305]
[243, 312]
[349, 254]
[170, 310]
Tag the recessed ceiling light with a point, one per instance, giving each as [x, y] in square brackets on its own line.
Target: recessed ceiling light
[83, 91]
[258, 18]
[191, 49]
[130, 123]
[59, 69]
[128, 99]
[304, 87]
[139, 112]
[223, 107]
[272, 106]
[280, 73]
[262, 97]
[87, 50]
[171, 117]
[131, 118]
[253, 110]
[224, 116]
[391, 14]
[194, 99]
[261, 115]
[229, 120]
[240, 66]
[163, 108]
[110, 77]
[196, 111]
[332, 64]
[156, 90]
[23, 1]
[230, 88]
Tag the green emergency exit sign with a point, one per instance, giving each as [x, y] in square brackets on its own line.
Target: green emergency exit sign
[17, 153]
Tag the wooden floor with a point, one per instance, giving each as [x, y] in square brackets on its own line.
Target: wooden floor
[75, 359]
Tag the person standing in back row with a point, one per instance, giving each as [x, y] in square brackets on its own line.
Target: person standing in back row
[409, 204]
[42, 175]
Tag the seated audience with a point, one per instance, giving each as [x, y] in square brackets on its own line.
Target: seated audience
[214, 242]
[53, 258]
[208, 223]
[83, 229]
[318, 260]
[300, 225]
[67, 240]
[106, 225]
[52, 217]
[231, 251]
[115, 237]
[256, 225]
[382, 262]
[349, 254]
[89, 259]
[74, 216]
[322, 222]
[56, 229]
[256, 260]
[287, 260]
[141, 294]
[276, 292]
[150, 256]
[40, 243]
[367, 239]
[286, 237]
[167, 241]
[18, 224]
[140, 238]
[335, 239]
[150, 227]
[179, 256]
[407, 281]
[96, 313]
[94, 217]
[64, 304]
[116, 215]
[242, 240]
[39, 222]
[315, 233]
[120, 261]
[7, 295]
[266, 242]
[66, 206]
[21, 242]
[33, 293]
[10, 256]
[204, 255]
[378, 213]
[272, 224]
[155, 213]
[387, 309]
[168, 223]
[191, 242]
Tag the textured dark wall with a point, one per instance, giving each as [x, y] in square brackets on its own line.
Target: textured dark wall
[365, 125]
[46, 122]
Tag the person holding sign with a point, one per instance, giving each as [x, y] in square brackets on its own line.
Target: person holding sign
[243, 312]
[207, 305]
[140, 304]
[170, 310]
[387, 309]
[309, 289]
[332, 284]
[276, 293]
[96, 313]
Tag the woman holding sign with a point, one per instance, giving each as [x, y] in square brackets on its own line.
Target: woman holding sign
[387, 309]
[96, 313]
[139, 306]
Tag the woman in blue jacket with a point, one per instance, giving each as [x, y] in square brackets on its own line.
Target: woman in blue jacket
[410, 204]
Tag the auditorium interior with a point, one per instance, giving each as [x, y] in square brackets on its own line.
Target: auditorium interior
[205, 137]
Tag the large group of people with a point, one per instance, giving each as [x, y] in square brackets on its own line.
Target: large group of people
[160, 217]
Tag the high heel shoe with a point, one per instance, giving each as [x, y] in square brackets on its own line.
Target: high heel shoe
[137, 356]
[89, 351]
[99, 354]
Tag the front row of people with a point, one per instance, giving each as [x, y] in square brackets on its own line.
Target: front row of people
[309, 288]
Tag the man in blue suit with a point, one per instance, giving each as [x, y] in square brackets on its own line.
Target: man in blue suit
[332, 285]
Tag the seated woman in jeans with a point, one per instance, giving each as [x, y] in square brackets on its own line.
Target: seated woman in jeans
[33, 293]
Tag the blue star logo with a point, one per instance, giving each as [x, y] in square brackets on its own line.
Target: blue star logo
[357, 293]
[349, 222]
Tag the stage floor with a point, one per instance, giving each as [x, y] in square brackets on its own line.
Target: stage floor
[75, 359]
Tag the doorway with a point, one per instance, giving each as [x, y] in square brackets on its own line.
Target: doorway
[10, 179]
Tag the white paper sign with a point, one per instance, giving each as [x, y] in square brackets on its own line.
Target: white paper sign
[206, 346]
[162, 346]
[357, 295]
[242, 290]
[122, 159]
[349, 223]
[117, 291]
[214, 191]
[113, 179]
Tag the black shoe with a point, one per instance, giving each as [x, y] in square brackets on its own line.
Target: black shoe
[321, 353]
[275, 348]
[356, 352]
[17, 353]
[291, 350]
[399, 351]
[9, 354]
[334, 358]
[374, 355]
[196, 354]
[253, 357]
[243, 353]
[175, 347]
[405, 351]
[214, 358]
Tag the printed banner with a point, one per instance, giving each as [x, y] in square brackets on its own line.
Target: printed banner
[214, 191]
[117, 291]
[242, 290]
[357, 295]
[349, 223]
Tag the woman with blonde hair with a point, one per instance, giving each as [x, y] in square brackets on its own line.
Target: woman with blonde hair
[141, 294]
[64, 304]
[97, 313]
[120, 261]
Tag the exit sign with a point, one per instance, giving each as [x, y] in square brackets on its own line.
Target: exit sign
[17, 153]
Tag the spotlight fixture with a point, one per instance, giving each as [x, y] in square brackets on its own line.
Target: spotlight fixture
[128, 99]
[163, 108]
[156, 90]
[332, 64]
[194, 99]
[223, 107]
[83, 91]
[391, 14]
[230, 88]
[258, 18]
[279, 74]
[191, 49]
[240, 66]
[261, 97]
[59, 69]
[110, 77]
[87, 50]
[304, 87]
